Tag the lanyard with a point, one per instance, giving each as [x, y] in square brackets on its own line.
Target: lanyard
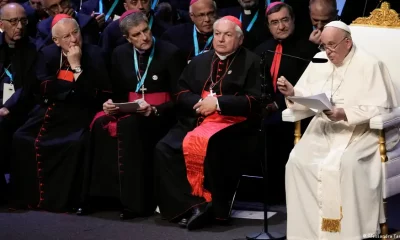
[110, 11]
[252, 21]
[8, 73]
[196, 43]
[269, 2]
[153, 6]
[151, 22]
[142, 78]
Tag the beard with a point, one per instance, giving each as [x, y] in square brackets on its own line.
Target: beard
[248, 5]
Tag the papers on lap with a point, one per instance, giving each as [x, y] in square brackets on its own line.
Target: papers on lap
[127, 107]
[319, 102]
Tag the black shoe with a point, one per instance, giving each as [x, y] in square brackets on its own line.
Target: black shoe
[183, 223]
[201, 216]
[126, 214]
[83, 211]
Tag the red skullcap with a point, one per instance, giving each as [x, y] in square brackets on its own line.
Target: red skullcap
[234, 20]
[58, 18]
[127, 13]
[193, 2]
[272, 5]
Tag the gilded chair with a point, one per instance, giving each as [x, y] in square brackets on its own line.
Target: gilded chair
[379, 34]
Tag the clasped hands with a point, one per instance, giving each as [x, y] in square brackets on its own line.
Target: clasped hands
[144, 108]
[207, 106]
[286, 88]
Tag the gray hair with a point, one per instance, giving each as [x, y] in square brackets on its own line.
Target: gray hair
[62, 21]
[239, 31]
[132, 20]
[213, 3]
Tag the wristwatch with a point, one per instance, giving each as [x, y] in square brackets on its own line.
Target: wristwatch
[155, 111]
[77, 70]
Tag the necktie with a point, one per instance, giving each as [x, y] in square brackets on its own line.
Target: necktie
[276, 64]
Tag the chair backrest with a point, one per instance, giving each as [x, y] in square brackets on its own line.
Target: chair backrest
[379, 34]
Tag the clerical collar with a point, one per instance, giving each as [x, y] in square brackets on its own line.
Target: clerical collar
[140, 51]
[198, 31]
[247, 12]
[224, 57]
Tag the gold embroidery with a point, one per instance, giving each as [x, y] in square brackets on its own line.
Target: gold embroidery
[332, 225]
[380, 17]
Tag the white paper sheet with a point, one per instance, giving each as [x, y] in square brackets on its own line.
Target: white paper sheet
[319, 102]
[127, 107]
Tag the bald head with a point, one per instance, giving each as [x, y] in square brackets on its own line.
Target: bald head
[203, 14]
[11, 9]
[322, 12]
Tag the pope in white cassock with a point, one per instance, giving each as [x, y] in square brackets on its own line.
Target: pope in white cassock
[333, 176]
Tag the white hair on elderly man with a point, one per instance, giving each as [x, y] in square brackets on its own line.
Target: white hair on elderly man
[54, 30]
[132, 20]
[239, 31]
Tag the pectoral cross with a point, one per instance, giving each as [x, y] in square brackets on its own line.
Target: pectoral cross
[211, 94]
[143, 89]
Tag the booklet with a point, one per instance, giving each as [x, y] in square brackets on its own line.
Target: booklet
[319, 102]
[127, 107]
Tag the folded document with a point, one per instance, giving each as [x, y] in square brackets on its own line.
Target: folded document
[319, 102]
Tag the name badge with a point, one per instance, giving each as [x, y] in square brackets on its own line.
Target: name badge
[8, 91]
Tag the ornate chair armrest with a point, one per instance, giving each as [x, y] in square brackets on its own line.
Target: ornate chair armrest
[385, 120]
[289, 115]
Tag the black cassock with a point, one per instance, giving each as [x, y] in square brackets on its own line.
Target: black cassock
[182, 36]
[227, 151]
[122, 162]
[20, 62]
[280, 135]
[112, 36]
[47, 169]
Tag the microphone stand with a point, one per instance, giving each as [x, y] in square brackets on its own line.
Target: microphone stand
[266, 98]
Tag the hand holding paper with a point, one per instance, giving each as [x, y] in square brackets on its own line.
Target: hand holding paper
[319, 102]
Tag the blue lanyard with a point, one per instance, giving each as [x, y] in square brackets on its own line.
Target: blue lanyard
[153, 6]
[9, 74]
[269, 2]
[252, 21]
[142, 78]
[151, 22]
[110, 11]
[196, 43]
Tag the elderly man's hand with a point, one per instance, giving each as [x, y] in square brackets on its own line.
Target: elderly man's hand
[74, 56]
[315, 36]
[4, 112]
[109, 108]
[285, 87]
[206, 107]
[100, 19]
[69, 11]
[336, 114]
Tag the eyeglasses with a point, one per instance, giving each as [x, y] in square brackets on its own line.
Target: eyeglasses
[143, 2]
[56, 7]
[67, 38]
[15, 21]
[202, 16]
[275, 23]
[331, 48]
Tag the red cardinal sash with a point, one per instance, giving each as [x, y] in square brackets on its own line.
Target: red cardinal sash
[195, 148]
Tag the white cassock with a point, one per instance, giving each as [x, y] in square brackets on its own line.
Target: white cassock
[334, 176]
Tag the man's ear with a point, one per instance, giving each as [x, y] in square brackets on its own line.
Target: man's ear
[56, 41]
[127, 38]
[126, 7]
[1, 24]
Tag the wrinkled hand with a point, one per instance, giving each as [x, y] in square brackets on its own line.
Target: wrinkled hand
[74, 56]
[100, 19]
[206, 107]
[285, 87]
[336, 114]
[4, 112]
[145, 108]
[69, 11]
[109, 108]
[315, 36]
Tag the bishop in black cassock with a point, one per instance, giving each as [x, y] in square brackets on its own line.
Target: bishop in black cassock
[17, 74]
[198, 161]
[194, 38]
[280, 136]
[122, 143]
[49, 147]
[112, 35]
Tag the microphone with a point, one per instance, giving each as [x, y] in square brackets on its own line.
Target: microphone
[314, 60]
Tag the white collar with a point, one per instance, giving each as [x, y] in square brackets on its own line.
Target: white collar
[223, 57]
[247, 12]
[140, 51]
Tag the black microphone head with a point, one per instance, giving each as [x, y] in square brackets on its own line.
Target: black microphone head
[319, 60]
